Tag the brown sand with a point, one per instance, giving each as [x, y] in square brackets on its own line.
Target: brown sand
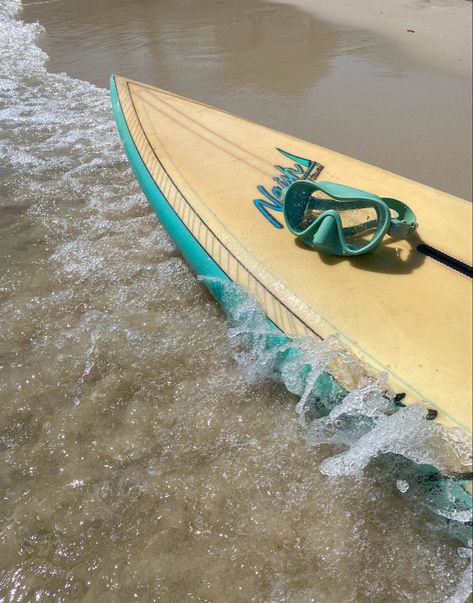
[436, 33]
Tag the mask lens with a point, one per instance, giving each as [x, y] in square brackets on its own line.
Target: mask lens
[360, 219]
[360, 224]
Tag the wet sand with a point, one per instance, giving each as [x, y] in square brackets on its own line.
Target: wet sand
[442, 39]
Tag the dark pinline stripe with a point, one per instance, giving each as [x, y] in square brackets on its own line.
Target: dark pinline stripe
[279, 304]
[446, 259]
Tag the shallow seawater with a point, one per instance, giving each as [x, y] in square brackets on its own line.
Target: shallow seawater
[350, 91]
[150, 450]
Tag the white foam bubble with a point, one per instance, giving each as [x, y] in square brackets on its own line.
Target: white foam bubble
[402, 485]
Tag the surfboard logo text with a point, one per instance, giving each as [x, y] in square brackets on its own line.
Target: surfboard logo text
[271, 199]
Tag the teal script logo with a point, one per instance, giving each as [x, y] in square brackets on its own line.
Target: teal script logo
[301, 170]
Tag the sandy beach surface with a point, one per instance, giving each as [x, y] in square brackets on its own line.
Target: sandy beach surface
[147, 451]
[435, 33]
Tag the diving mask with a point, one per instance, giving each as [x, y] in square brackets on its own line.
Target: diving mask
[341, 220]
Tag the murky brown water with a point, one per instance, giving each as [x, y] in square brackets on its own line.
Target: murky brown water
[347, 90]
[144, 454]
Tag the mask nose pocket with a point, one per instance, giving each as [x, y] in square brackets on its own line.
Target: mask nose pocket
[327, 233]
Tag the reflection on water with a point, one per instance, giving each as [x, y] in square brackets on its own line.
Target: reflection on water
[346, 90]
[144, 455]
[201, 44]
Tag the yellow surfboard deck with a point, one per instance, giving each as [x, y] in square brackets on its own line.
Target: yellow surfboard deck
[398, 309]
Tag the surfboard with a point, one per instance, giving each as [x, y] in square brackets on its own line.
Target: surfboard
[216, 182]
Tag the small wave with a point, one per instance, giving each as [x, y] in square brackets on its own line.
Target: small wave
[366, 422]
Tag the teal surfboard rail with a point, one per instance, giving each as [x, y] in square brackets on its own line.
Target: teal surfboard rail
[194, 253]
